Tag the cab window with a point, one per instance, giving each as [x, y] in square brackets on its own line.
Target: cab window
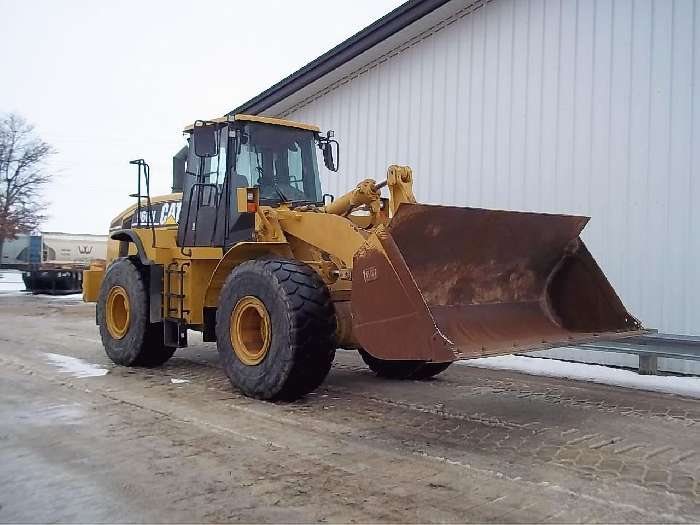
[281, 161]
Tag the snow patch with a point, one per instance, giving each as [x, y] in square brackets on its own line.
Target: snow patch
[76, 367]
[685, 386]
[177, 381]
[11, 281]
[71, 297]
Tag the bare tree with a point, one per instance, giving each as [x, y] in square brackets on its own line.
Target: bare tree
[23, 176]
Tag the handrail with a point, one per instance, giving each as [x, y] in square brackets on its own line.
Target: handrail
[143, 165]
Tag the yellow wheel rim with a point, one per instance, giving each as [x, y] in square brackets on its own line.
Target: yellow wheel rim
[117, 312]
[250, 330]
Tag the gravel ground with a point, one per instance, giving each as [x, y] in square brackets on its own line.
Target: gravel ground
[82, 440]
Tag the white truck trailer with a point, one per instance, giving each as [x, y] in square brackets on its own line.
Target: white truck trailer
[55, 261]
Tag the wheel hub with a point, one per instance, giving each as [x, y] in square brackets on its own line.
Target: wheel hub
[117, 312]
[250, 330]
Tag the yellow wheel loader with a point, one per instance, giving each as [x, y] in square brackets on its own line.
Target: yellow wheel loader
[249, 251]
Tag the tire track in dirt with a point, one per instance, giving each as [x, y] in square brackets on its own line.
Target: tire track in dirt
[464, 421]
[323, 452]
[660, 469]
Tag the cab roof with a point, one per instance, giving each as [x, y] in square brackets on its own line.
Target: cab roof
[263, 120]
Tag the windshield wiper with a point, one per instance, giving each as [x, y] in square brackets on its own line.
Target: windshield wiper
[281, 193]
[303, 202]
[277, 190]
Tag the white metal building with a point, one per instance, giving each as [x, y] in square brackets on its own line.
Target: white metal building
[572, 106]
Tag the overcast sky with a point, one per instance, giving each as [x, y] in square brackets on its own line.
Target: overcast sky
[106, 82]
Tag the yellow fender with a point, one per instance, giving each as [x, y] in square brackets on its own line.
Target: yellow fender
[241, 252]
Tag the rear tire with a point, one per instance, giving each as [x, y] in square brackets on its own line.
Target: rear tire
[402, 369]
[127, 335]
[275, 329]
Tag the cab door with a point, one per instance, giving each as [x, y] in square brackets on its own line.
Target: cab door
[203, 189]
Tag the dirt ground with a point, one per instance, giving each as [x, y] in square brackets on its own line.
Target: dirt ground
[178, 444]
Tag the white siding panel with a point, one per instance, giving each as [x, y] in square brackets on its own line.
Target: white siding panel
[572, 106]
[691, 276]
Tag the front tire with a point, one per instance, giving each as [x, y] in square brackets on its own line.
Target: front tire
[402, 369]
[430, 370]
[390, 369]
[127, 335]
[275, 329]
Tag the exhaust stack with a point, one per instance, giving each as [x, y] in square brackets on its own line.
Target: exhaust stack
[179, 169]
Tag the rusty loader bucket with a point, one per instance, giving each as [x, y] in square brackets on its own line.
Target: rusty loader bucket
[444, 283]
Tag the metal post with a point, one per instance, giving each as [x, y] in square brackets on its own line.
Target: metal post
[648, 365]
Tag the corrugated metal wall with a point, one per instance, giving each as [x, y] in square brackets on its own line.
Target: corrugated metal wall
[582, 107]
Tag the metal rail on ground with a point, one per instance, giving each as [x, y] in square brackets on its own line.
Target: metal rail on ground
[650, 347]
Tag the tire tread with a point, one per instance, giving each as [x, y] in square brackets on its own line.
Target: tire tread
[310, 315]
[143, 343]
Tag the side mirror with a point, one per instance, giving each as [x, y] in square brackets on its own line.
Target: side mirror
[331, 152]
[205, 137]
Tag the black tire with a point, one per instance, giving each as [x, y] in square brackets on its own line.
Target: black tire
[402, 369]
[429, 370]
[302, 328]
[142, 344]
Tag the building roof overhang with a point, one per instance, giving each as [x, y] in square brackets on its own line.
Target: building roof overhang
[393, 22]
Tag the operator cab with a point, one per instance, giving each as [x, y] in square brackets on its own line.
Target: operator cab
[273, 156]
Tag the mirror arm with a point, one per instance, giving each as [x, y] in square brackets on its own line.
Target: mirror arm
[337, 154]
[325, 144]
